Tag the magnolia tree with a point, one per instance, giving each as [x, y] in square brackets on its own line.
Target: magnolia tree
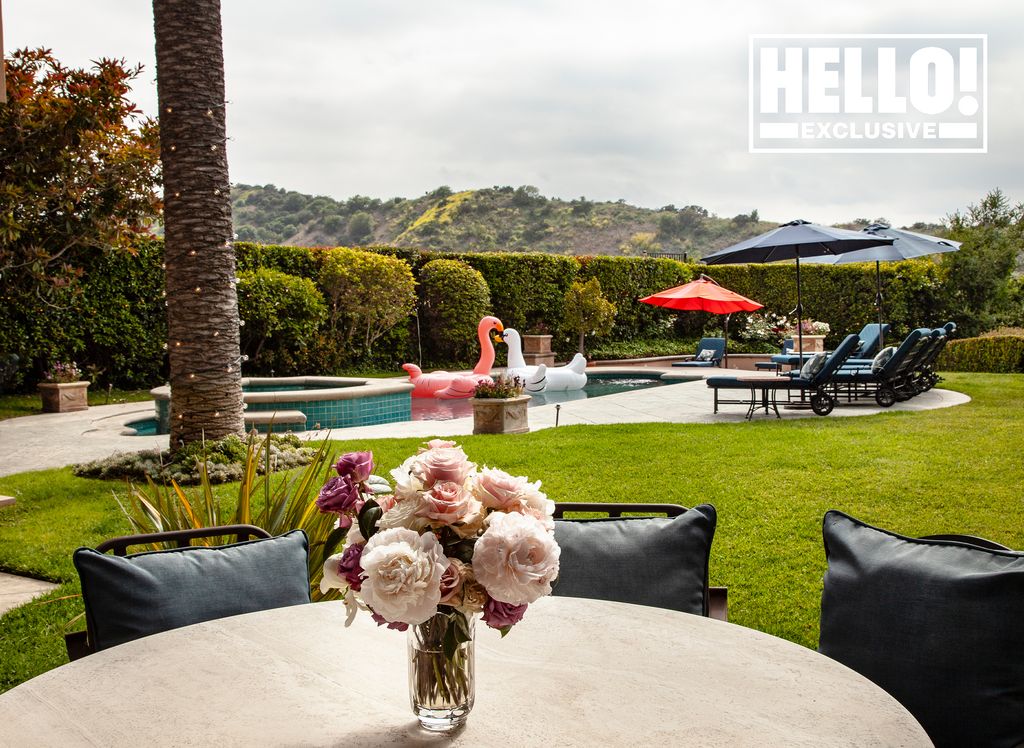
[78, 169]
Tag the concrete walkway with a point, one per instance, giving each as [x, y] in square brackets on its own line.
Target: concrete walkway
[15, 590]
[57, 439]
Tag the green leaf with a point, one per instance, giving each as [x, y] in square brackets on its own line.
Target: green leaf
[504, 631]
[368, 516]
[463, 550]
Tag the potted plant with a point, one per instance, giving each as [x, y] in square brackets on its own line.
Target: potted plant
[499, 407]
[813, 335]
[62, 389]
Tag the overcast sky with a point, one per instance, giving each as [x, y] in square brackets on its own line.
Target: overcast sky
[640, 100]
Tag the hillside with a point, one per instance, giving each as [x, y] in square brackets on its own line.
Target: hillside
[496, 219]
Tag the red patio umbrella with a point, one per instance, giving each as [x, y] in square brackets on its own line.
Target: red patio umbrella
[704, 295]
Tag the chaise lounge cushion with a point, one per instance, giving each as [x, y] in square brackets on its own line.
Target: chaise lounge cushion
[128, 597]
[937, 624]
[657, 561]
[813, 365]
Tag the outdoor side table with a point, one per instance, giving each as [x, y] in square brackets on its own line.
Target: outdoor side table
[768, 394]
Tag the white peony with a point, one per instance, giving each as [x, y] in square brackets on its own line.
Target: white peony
[332, 580]
[402, 575]
[516, 558]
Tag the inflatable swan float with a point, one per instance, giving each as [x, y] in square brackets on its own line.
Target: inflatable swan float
[450, 385]
[572, 376]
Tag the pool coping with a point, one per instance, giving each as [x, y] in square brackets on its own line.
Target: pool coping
[351, 388]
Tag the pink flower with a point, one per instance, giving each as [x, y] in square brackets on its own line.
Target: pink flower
[446, 503]
[496, 489]
[498, 615]
[516, 558]
[356, 465]
[451, 580]
[349, 568]
[442, 464]
[338, 495]
[437, 444]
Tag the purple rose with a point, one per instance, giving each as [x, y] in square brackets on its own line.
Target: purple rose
[381, 621]
[338, 495]
[349, 568]
[498, 615]
[356, 465]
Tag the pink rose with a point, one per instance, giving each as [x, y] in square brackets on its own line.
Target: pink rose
[451, 580]
[356, 465]
[386, 503]
[442, 464]
[496, 489]
[437, 444]
[338, 495]
[446, 503]
[498, 615]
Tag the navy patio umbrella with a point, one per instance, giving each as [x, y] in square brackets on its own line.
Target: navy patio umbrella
[906, 245]
[793, 241]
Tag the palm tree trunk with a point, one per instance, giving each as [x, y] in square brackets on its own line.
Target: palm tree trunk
[202, 307]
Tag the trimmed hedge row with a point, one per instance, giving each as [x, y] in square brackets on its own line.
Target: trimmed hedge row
[117, 326]
[996, 354]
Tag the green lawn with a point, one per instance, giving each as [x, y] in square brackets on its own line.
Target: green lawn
[950, 470]
[12, 406]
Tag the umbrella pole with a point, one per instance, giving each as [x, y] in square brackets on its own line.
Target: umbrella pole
[799, 311]
[878, 303]
[726, 333]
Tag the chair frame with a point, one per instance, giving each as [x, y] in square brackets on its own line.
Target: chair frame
[79, 643]
[717, 599]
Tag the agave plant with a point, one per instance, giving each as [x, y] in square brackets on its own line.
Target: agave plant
[288, 503]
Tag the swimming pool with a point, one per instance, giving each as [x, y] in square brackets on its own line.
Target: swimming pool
[598, 385]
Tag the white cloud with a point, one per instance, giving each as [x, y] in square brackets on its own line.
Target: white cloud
[643, 100]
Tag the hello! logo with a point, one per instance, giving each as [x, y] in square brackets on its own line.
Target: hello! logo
[902, 93]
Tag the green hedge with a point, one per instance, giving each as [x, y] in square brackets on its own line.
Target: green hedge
[996, 355]
[115, 326]
[112, 322]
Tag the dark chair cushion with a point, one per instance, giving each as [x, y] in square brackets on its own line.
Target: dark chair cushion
[653, 561]
[935, 623]
[133, 596]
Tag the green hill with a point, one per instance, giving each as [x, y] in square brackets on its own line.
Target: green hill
[495, 219]
[515, 219]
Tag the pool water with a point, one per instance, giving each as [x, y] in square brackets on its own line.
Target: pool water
[143, 427]
[428, 409]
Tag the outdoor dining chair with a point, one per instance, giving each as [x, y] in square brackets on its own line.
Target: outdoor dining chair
[935, 621]
[599, 556]
[128, 596]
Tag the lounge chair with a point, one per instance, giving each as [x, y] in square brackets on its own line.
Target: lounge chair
[703, 357]
[815, 383]
[866, 348]
[857, 378]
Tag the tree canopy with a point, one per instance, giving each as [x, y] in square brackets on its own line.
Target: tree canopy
[79, 167]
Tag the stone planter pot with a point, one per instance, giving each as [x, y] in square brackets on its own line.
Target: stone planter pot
[64, 397]
[812, 343]
[537, 350]
[500, 415]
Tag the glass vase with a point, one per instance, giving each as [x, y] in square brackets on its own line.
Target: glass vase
[441, 671]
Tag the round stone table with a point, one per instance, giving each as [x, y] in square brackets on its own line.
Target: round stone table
[572, 673]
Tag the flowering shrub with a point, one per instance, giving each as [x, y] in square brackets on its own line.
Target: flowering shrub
[63, 373]
[453, 539]
[767, 327]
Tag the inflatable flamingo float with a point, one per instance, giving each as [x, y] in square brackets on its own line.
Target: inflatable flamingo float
[449, 385]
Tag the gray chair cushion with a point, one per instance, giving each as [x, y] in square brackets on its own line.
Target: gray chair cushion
[881, 359]
[654, 561]
[133, 596]
[813, 365]
[935, 623]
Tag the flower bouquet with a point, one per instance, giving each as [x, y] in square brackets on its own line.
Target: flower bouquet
[449, 543]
